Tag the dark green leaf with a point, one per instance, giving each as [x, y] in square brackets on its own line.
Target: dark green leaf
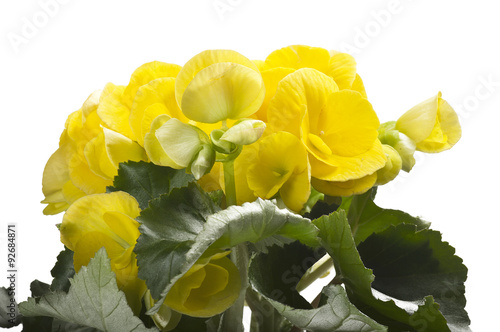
[63, 270]
[337, 239]
[93, 300]
[168, 230]
[410, 264]
[38, 288]
[146, 181]
[367, 218]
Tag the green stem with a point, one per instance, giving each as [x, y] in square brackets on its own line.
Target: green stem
[229, 183]
[233, 317]
[321, 267]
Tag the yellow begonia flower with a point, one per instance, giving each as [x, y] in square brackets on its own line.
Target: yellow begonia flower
[338, 128]
[210, 287]
[216, 85]
[87, 158]
[345, 188]
[433, 125]
[117, 101]
[392, 166]
[339, 66]
[281, 165]
[106, 220]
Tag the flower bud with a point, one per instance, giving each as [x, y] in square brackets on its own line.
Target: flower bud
[433, 125]
[173, 143]
[245, 132]
[388, 134]
[392, 166]
[203, 162]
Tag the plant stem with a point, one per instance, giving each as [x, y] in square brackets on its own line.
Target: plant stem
[229, 183]
[233, 317]
[321, 267]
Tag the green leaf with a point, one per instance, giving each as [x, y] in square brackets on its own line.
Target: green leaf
[146, 181]
[338, 241]
[63, 270]
[168, 247]
[93, 300]
[168, 229]
[275, 274]
[410, 264]
[367, 218]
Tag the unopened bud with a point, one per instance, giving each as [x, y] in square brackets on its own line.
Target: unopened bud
[203, 162]
[392, 166]
[245, 132]
[405, 146]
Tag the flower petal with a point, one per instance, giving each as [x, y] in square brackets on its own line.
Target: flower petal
[271, 78]
[223, 91]
[300, 56]
[346, 188]
[113, 110]
[342, 68]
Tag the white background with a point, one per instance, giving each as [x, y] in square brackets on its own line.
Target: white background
[420, 48]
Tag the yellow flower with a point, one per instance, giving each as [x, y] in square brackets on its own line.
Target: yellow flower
[210, 287]
[338, 129]
[216, 85]
[106, 220]
[280, 165]
[339, 66]
[433, 125]
[87, 158]
[118, 101]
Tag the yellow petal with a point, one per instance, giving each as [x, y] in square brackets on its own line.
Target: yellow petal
[84, 179]
[303, 89]
[340, 168]
[146, 73]
[358, 86]
[223, 91]
[242, 162]
[281, 165]
[342, 68]
[210, 182]
[346, 188]
[203, 60]
[271, 78]
[152, 99]
[113, 110]
[87, 215]
[300, 56]
[71, 192]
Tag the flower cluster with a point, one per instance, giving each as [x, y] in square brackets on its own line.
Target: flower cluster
[296, 122]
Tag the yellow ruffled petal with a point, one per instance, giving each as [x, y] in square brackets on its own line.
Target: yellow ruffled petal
[242, 162]
[342, 68]
[113, 110]
[281, 165]
[419, 121]
[342, 168]
[55, 175]
[146, 73]
[87, 215]
[84, 179]
[300, 56]
[223, 91]
[271, 78]
[203, 60]
[261, 65]
[71, 193]
[303, 89]
[346, 188]
[358, 86]
[153, 99]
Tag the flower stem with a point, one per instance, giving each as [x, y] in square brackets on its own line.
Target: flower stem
[321, 267]
[233, 317]
[229, 183]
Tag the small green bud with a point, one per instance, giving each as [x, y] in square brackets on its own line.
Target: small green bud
[391, 168]
[203, 162]
[405, 146]
[244, 132]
